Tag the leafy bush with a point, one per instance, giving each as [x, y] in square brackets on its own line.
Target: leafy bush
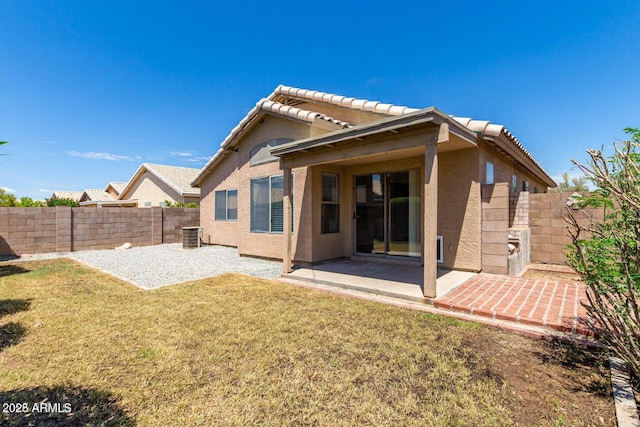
[28, 202]
[55, 201]
[606, 253]
[171, 204]
[7, 199]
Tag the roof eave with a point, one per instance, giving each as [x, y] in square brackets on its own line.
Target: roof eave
[391, 124]
[505, 144]
[250, 119]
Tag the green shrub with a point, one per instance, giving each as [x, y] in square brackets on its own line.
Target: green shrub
[606, 253]
[55, 201]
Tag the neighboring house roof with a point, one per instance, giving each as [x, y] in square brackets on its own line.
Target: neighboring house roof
[117, 186]
[280, 102]
[110, 203]
[176, 177]
[63, 194]
[93, 194]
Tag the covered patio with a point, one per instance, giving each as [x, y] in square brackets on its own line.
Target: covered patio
[367, 163]
[388, 279]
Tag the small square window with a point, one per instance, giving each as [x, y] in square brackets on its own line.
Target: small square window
[147, 203]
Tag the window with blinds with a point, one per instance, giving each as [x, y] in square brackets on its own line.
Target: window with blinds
[330, 206]
[232, 205]
[226, 205]
[267, 206]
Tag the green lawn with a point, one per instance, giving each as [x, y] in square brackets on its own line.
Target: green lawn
[235, 350]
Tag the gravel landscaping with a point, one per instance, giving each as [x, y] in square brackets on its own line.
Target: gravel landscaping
[150, 267]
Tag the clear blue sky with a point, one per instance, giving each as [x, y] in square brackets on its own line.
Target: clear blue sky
[90, 90]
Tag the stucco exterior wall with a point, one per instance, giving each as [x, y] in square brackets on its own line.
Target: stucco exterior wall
[330, 245]
[224, 177]
[236, 172]
[459, 209]
[149, 188]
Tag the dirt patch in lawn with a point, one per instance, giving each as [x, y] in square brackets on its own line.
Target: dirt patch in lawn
[236, 350]
[552, 383]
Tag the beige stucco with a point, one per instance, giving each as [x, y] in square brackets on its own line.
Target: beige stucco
[235, 172]
[458, 201]
[459, 213]
[150, 191]
[451, 160]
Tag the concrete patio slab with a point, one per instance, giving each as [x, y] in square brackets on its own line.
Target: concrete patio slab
[392, 280]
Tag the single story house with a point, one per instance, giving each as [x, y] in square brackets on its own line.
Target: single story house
[308, 176]
[153, 185]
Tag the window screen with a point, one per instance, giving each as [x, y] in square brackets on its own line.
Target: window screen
[277, 214]
[226, 205]
[221, 205]
[232, 205]
[330, 207]
[260, 205]
[267, 205]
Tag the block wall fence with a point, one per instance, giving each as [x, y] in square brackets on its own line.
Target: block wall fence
[549, 229]
[66, 229]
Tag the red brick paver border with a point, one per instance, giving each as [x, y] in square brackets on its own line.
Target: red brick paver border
[548, 303]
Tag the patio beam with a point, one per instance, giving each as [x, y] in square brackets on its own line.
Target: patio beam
[355, 148]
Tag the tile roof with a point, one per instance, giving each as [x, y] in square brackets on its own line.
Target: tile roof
[96, 194]
[343, 101]
[296, 113]
[492, 129]
[119, 186]
[64, 194]
[273, 104]
[176, 177]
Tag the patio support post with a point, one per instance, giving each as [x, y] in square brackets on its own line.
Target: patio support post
[430, 226]
[286, 226]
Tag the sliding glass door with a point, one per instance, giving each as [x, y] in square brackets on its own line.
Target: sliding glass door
[387, 214]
